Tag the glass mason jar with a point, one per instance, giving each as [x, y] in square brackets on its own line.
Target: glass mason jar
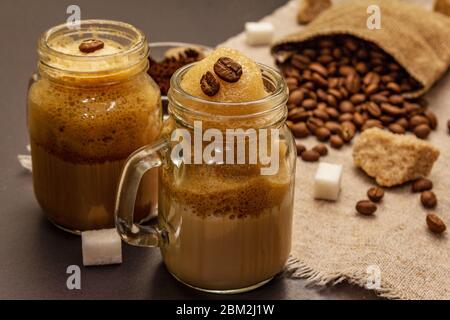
[224, 224]
[87, 112]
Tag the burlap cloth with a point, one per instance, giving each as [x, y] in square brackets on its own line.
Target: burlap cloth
[331, 243]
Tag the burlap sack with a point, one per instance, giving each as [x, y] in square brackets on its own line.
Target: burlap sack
[418, 39]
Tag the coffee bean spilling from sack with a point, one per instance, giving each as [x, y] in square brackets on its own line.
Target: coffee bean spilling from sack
[340, 85]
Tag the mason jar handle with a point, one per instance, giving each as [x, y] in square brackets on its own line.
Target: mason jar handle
[136, 166]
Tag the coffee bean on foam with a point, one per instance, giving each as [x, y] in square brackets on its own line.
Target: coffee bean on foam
[341, 80]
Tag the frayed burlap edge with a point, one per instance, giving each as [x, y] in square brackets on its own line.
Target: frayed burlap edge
[296, 269]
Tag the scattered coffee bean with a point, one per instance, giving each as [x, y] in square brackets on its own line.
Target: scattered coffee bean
[321, 149]
[421, 185]
[310, 156]
[227, 69]
[209, 84]
[366, 207]
[300, 148]
[300, 130]
[422, 131]
[431, 118]
[336, 141]
[435, 224]
[448, 125]
[375, 194]
[396, 128]
[323, 134]
[428, 199]
[90, 45]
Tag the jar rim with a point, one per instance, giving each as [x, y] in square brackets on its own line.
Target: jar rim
[135, 52]
[277, 98]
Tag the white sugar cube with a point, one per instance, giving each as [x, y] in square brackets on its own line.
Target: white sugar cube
[101, 247]
[327, 182]
[259, 33]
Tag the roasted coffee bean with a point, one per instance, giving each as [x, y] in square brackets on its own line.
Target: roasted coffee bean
[375, 194]
[334, 127]
[310, 156]
[372, 123]
[378, 98]
[314, 123]
[421, 185]
[448, 125]
[393, 87]
[321, 149]
[361, 67]
[411, 108]
[319, 80]
[371, 89]
[333, 113]
[292, 83]
[90, 45]
[321, 114]
[296, 97]
[435, 224]
[358, 119]
[418, 120]
[396, 128]
[358, 98]
[331, 100]
[353, 83]
[371, 78]
[346, 106]
[432, 119]
[373, 109]
[321, 94]
[392, 110]
[300, 148]
[403, 122]
[299, 114]
[336, 141]
[309, 104]
[347, 131]
[336, 93]
[428, 199]
[396, 99]
[209, 84]
[322, 106]
[320, 69]
[322, 133]
[227, 69]
[346, 70]
[422, 131]
[346, 117]
[300, 130]
[386, 120]
[366, 207]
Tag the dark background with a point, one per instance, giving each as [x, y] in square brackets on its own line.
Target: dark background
[34, 254]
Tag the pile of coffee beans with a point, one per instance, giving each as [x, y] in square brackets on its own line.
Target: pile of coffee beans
[163, 70]
[339, 85]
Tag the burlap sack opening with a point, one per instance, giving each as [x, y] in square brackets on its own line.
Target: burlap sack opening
[417, 39]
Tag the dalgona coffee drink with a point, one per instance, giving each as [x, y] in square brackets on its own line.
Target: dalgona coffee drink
[92, 107]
